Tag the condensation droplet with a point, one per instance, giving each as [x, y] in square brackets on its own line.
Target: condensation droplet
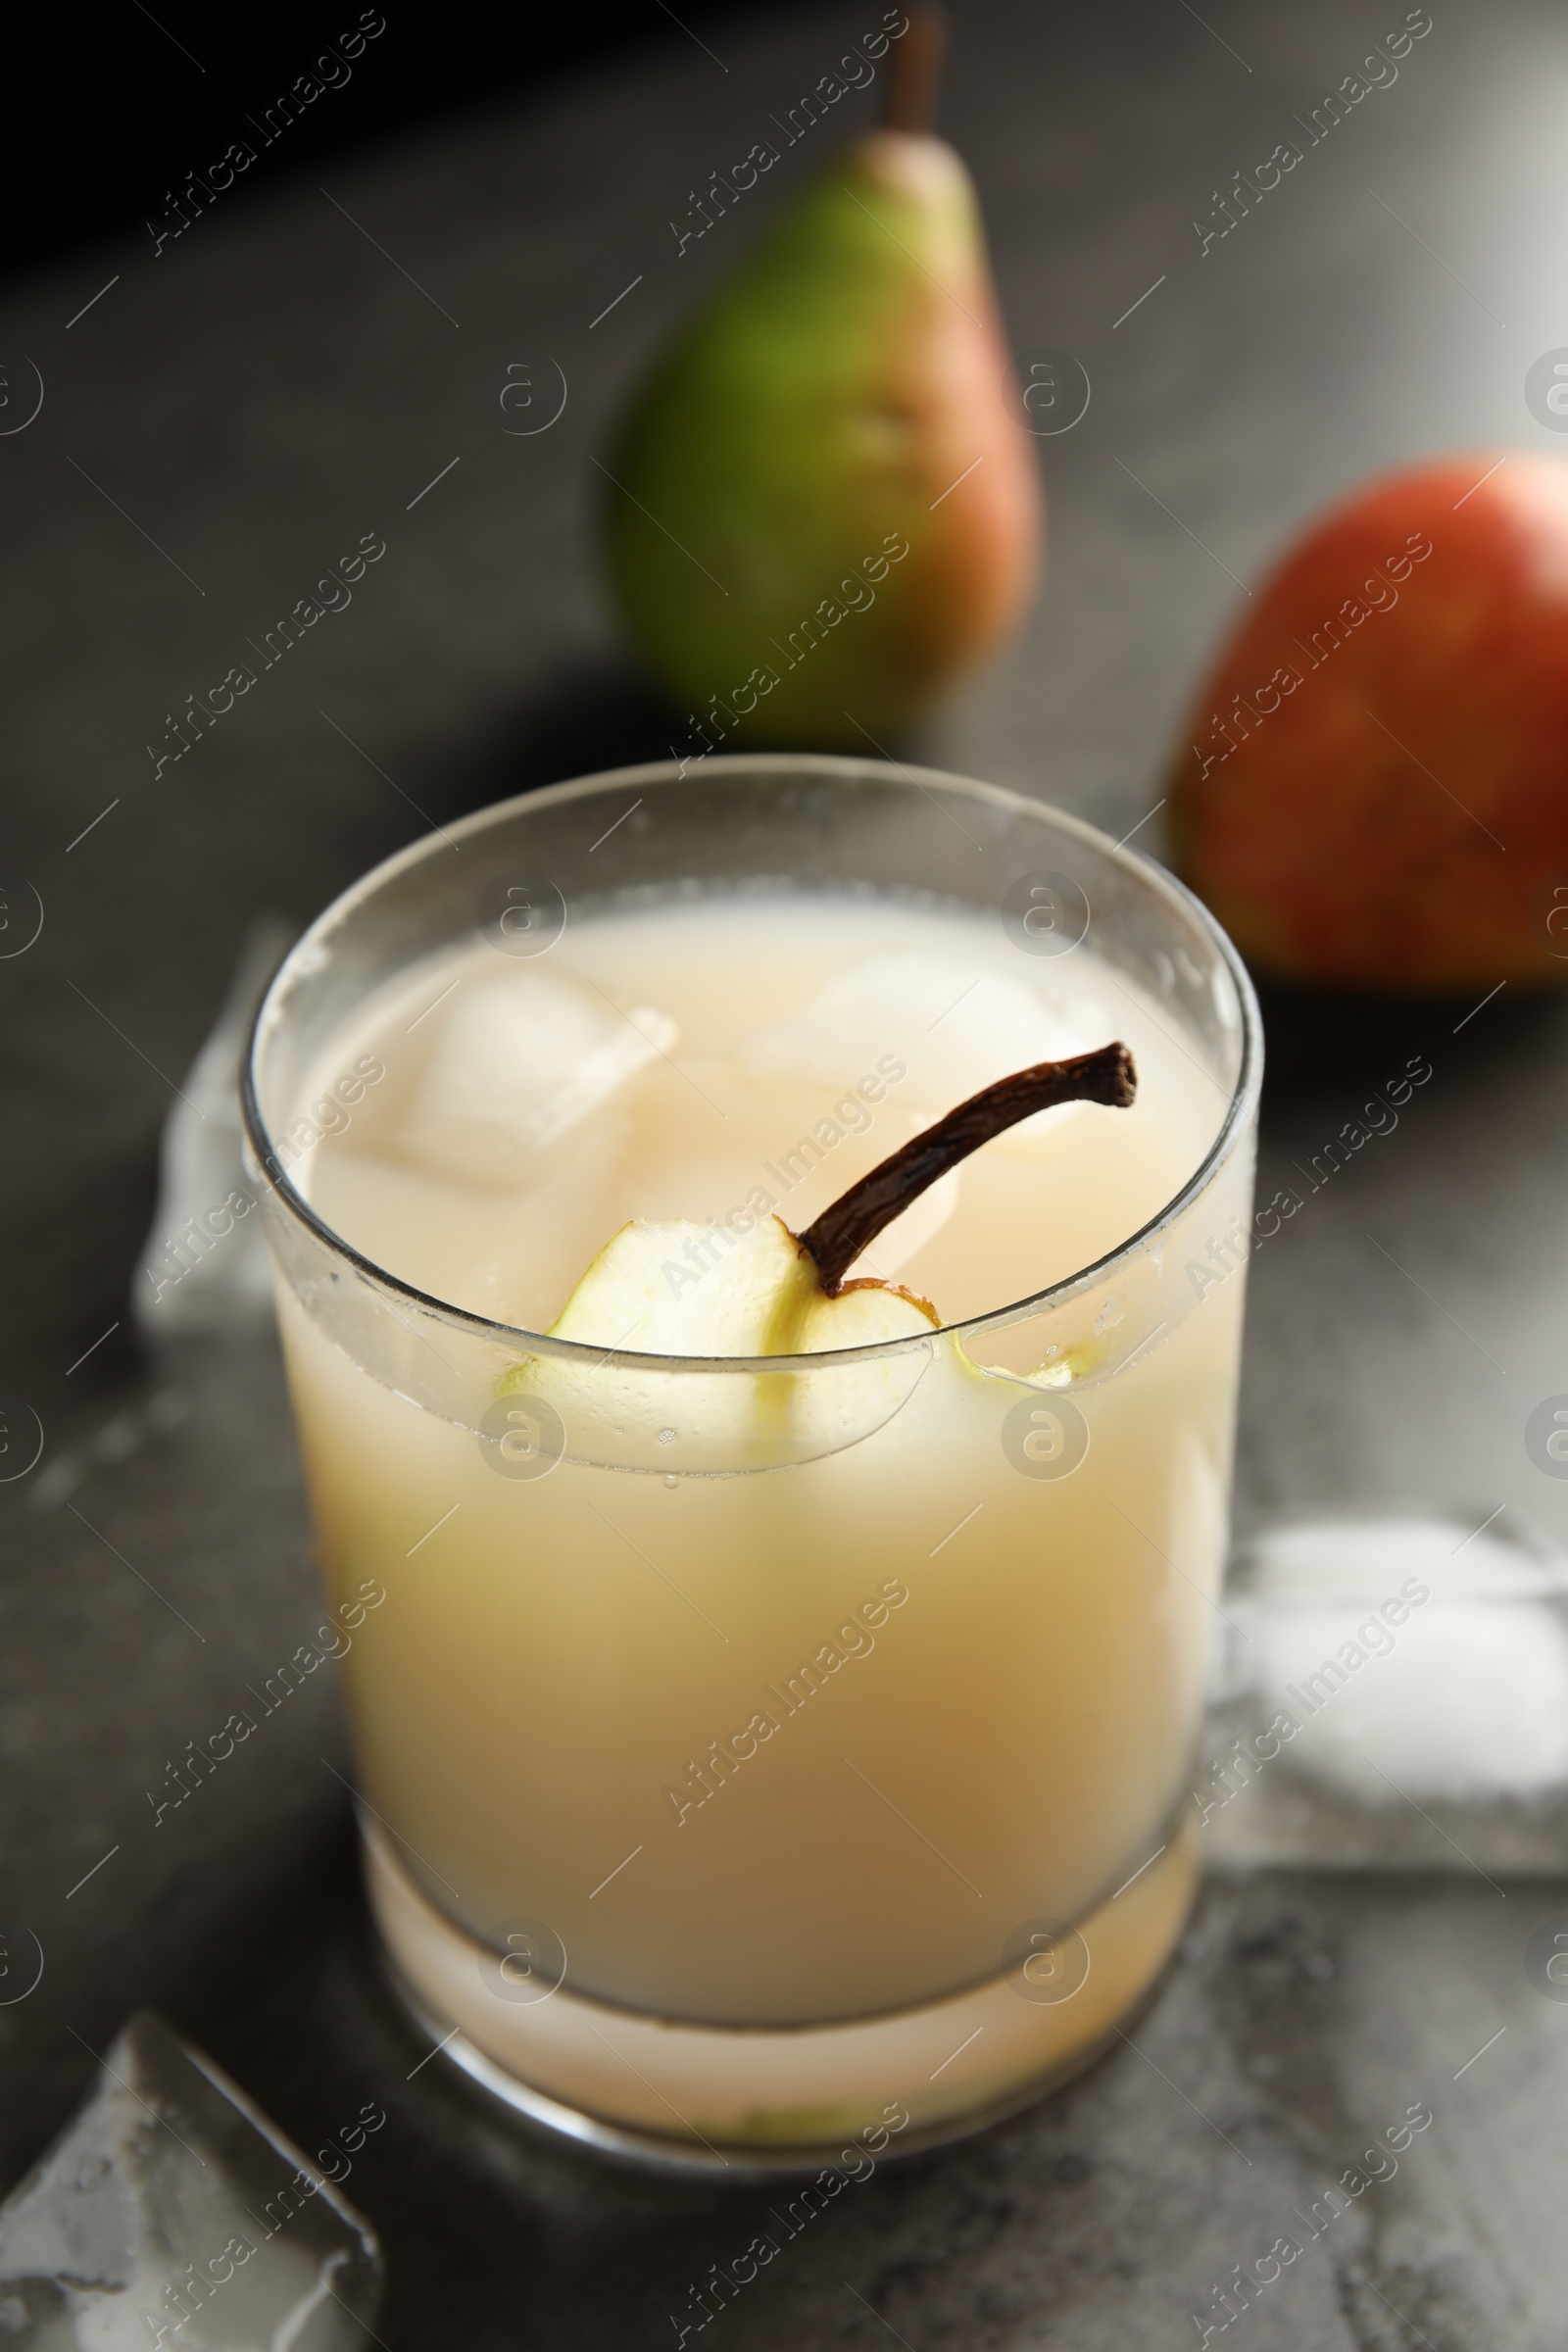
[666, 1437]
[670, 1480]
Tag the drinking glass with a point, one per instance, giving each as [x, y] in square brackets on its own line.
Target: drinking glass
[908, 1892]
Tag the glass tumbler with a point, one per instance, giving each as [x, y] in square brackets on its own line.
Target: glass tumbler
[922, 1896]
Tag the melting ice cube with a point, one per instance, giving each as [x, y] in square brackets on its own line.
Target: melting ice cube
[957, 1028]
[517, 1061]
[170, 2213]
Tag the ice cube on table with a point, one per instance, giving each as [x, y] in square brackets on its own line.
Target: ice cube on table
[515, 1063]
[957, 1028]
[1394, 1694]
[222, 1283]
[170, 2211]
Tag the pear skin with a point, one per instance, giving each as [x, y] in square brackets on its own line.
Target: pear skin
[1370, 794]
[824, 513]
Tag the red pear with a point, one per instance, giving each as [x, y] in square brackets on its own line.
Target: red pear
[1374, 791]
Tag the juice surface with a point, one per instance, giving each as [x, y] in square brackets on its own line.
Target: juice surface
[682, 1059]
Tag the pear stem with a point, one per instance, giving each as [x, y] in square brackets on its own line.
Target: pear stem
[838, 1236]
[917, 73]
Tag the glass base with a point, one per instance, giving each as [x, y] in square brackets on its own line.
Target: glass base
[780, 2099]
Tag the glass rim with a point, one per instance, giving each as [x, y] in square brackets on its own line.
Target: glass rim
[656, 774]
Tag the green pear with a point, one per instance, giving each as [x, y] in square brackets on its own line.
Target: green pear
[821, 511]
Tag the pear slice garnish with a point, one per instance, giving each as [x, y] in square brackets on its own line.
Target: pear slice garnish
[679, 1288]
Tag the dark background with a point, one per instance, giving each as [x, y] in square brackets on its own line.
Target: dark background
[104, 121]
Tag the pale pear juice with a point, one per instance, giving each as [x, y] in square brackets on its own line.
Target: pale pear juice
[780, 1698]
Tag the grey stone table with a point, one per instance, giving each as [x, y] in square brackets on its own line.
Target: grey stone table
[223, 422]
